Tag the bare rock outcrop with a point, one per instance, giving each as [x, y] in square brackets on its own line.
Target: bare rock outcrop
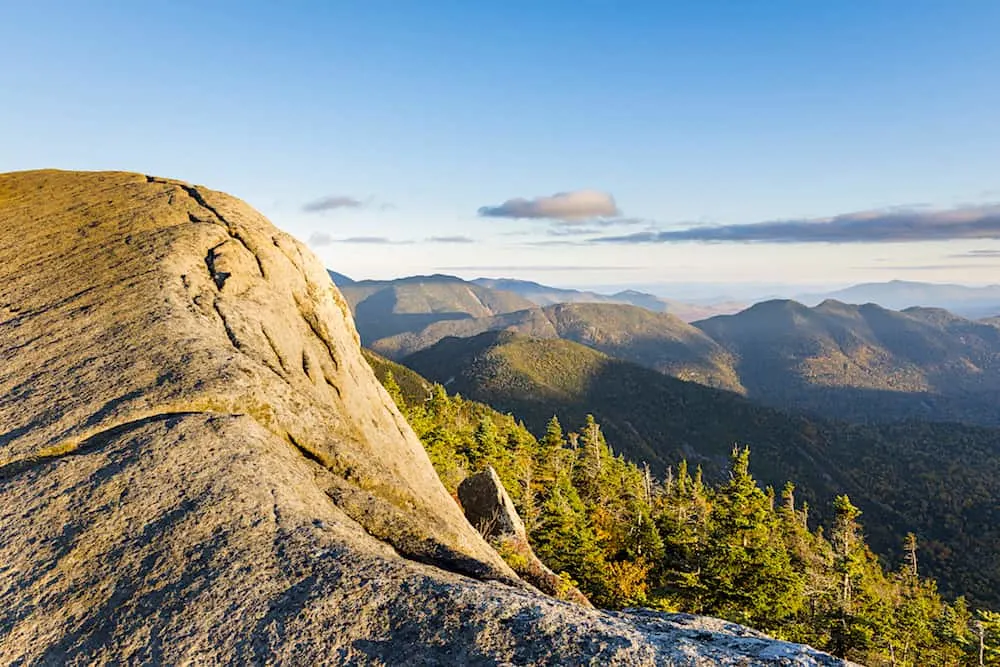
[488, 507]
[198, 466]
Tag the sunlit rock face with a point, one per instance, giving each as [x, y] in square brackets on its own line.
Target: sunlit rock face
[197, 465]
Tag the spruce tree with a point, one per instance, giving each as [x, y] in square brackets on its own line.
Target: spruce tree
[746, 566]
[485, 446]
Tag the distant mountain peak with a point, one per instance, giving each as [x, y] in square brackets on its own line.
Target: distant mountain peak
[834, 304]
[507, 283]
[633, 293]
[963, 300]
[339, 279]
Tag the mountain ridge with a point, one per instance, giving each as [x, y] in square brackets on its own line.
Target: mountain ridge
[385, 308]
[964, 300]
[822, 358]
[544, 295]
[657, 340]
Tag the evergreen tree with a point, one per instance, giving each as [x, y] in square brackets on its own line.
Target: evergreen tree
[987, 628]
[392, 388]
[565, 540]
[590, 460]
[682, 520]
[746, 565]
[552, 453]
[485, 445]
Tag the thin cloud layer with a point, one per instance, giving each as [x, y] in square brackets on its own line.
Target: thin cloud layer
[927, 267]
[450, 239]
[371, 240]
[331, 203]
[320, 239]
[977, 254]
[563, 206]
[888, 226]
[591, 226]
[536, 267]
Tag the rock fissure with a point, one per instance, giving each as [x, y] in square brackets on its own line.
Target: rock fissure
[225, 325]
[218, 277]
[88, 443]
[193, 193]
[309, 319]
[305, 452]
[305, 364]
[330, 383]
[274, 348]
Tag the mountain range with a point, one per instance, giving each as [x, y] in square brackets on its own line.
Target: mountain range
[971, 302]
[858, 363]
[387, 308]
[864, 362]
[544, 295]
[657, 340]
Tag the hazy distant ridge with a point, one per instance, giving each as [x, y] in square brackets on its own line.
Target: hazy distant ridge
[972, 302]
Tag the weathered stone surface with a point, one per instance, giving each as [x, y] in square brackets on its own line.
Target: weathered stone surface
[487, 505]
[197, 465]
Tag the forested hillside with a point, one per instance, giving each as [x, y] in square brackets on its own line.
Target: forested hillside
[729, 548]
[940, 481]
[385, 308]
[865, 363]
[656, 340]
[835, 360]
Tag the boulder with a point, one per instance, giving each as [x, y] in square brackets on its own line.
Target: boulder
[198, 466]
[488, 507]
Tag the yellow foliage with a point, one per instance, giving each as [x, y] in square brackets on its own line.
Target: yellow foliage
[628, 579]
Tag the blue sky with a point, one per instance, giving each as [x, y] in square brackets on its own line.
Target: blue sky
[779, 142]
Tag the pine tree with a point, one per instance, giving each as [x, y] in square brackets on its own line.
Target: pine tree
[987, 626]
[682, 520]
[551, 453]
[910, 549]
[746, 566]
[485, 446]
[852, 625]
[565, 540]
[590, 460]
[395, 393]
[846, 540]
[439, 405]
[553, 437]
